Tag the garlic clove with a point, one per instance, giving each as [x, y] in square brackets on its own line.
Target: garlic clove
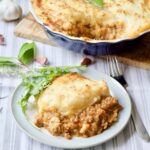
[2, 40]
[41, 60]
[87, 60]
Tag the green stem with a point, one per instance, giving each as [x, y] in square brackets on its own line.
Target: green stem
[7, 61]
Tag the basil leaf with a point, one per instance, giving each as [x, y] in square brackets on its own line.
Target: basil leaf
[27, 53]
[97, 2]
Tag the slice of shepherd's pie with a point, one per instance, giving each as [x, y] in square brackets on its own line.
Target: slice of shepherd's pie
[74, 105]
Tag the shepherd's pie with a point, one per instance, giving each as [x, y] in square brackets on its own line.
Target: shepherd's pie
[116, 19]
[74, 105]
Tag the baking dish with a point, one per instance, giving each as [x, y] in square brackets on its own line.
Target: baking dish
[90, 47]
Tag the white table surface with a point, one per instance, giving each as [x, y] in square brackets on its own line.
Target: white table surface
[12, 138]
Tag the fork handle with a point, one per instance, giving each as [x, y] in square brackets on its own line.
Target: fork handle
[138, 123]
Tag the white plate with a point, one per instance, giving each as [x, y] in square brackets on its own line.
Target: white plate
[116, 89]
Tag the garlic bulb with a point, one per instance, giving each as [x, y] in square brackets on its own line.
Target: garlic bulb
[10, 10]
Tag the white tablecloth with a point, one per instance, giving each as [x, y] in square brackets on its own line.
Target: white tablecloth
[12, 138]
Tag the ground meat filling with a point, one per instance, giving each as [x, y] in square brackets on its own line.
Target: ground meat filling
[91, 121]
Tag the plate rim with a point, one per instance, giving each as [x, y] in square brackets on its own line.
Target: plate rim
[68, 147]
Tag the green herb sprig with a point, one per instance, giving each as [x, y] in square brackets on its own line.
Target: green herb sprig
[26, 56]
[7, 62]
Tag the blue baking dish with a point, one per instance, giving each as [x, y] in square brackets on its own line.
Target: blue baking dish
[95, 49]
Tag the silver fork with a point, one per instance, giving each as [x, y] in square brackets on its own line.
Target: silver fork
[116, 72]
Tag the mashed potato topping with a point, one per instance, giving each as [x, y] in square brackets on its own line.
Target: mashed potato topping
[71, 93]
[79, 18]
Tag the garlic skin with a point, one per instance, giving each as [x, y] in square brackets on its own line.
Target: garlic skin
[3, 6]
[11, 10]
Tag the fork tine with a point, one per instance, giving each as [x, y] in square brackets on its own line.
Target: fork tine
[110, 66]
[113, 66]
[118, 68]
